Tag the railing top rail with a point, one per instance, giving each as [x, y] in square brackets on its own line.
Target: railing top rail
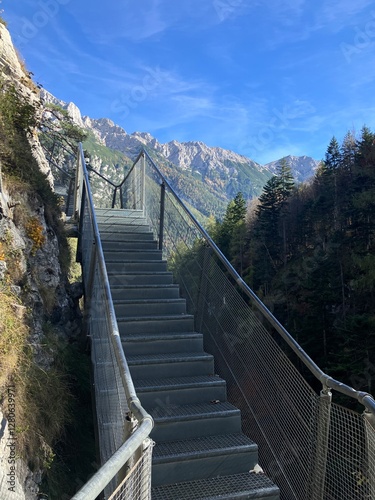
[328, 382]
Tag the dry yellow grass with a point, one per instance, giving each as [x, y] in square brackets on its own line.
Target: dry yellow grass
[13, 334]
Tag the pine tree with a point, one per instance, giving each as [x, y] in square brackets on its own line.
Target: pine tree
[230, 234]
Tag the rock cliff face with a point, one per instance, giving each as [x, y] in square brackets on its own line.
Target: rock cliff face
[12, 69]
[30, 270]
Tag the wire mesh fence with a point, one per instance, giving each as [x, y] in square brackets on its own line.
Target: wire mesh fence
[310, 447]
[137, 483]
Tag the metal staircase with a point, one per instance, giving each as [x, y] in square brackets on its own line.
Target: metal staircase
[197, 432]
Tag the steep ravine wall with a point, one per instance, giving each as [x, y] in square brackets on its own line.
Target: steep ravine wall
[39, 294]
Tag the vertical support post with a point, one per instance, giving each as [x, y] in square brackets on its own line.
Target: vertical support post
[133, 190]
[142, 184]
[88, 289]
[369, 424]
[145, 482]
[114, 197]
[80, 227]
[162, 212]
[199, 307]
[319, 467]
[69, 196]
[121, 198]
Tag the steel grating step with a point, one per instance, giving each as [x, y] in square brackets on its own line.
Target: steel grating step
[177, 382]
[129, 244]
[156, 324]
[204, 446]
[166, 365]
[129, 220]
[119, 212]
[132, 254]
[136, 265]
[237, 486]
[117, 278]
[124, 228]
[134, 292]
[125, 235]
[162, 343]
[150, 307]
[201, 458]
[123, 254]
[180, 390]
[194, 420]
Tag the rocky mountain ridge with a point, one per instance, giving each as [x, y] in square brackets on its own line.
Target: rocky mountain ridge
[303, 167]
[192, 167]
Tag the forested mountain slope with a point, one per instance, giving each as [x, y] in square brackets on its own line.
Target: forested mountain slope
[308, 251]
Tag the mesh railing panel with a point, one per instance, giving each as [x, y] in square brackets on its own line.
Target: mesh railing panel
[370, 441]
[113, 424]
[347, 472]
[137, 483]
[306, 451]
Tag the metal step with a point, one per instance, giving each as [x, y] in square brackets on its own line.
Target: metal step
[143, 292]
[168, 365]
[150, 307]
[126, 236]
[180, 390]
[119, 279]
[194, 421]
[234, 487]
[125, 254]
[155, 324]
[129, 244]
[118, 212]
[136, 266]
[203, 458]
[162, 343]
[110, 227]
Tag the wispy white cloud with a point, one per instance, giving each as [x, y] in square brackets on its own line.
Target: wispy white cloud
[340, 13]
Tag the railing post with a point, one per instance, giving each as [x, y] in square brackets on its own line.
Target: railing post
[78, 188]
[114, 197]
[203, 289]
[319, 466]
[142, 183]
[369, 424]
[121, 198]
[88, 289]
[69, 196]
[162, 212]
[80, 227]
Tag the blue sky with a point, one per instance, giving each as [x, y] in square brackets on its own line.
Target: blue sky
[262, 78]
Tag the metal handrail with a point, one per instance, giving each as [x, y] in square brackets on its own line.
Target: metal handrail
[328, 382]
[106, 473]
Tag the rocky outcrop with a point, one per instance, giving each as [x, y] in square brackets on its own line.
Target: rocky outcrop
[13, 70]
[303, 167]
[16, 480]
[30, 269]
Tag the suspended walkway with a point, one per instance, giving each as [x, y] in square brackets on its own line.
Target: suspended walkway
[195, 382]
